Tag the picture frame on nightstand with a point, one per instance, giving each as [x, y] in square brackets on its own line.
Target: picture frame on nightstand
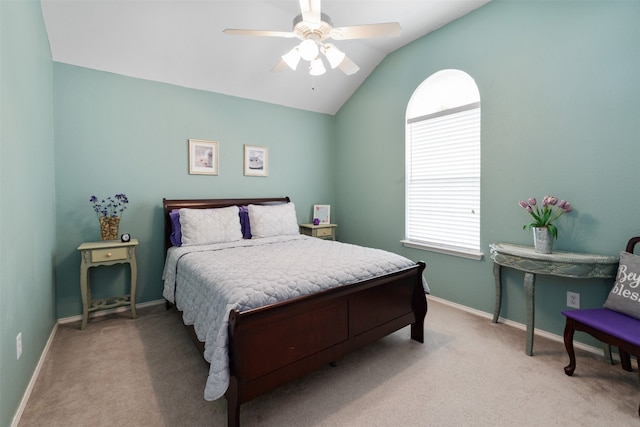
[323, 213]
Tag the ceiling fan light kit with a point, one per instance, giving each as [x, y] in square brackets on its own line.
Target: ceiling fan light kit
[313, 27]
[334, 55]
[292, 58]
[308, 50]
[316, 68]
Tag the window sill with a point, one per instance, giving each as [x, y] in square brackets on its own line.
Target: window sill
[462, 253]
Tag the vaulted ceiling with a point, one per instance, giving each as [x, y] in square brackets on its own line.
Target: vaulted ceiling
[182, 42]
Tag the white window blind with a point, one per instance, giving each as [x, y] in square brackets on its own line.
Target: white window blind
[443, 180]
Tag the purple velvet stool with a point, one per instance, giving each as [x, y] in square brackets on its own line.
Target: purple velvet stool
[608, 326]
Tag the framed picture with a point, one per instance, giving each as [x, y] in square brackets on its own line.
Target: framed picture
[256, 160]
[203, 157]
[323, 213]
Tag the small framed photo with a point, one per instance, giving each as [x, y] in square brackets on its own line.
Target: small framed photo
[203, 157]
[322, 213]
[256, 160]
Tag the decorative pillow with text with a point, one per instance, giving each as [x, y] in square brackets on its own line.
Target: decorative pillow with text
[625, 295]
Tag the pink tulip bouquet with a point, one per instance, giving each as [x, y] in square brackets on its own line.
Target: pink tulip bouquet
[544, 216]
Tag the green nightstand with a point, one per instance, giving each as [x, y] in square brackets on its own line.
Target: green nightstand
[107, 252]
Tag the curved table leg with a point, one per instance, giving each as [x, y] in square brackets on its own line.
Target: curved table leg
[134, 280]
[530, 290]
[85, 292]
[606, 348]
[498, 304]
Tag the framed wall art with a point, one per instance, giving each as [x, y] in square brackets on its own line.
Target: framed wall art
[203, 157]
[322, 213]
[256, 160]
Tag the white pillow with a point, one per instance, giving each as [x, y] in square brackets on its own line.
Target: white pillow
[207, 226]
[274, 220]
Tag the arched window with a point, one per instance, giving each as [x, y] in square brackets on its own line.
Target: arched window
[443, 165]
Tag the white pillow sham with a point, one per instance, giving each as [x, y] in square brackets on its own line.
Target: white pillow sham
[207, 226]
[273, 220]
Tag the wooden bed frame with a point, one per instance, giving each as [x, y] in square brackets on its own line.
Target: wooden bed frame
[300, 335]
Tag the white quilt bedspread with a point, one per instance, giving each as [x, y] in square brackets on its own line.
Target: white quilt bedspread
[207, 282]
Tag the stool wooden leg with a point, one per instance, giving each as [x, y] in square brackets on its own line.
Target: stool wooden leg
[625, 360]
[568, 344]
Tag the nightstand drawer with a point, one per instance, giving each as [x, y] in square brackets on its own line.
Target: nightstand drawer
[324, 232]
[112, 254]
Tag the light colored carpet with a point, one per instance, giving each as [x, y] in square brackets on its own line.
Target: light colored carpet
[469, 371]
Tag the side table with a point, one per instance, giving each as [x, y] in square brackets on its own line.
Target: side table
[563, 264]
[321, 231]
[106, 252]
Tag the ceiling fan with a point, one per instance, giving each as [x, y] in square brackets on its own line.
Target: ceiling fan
[314, 27]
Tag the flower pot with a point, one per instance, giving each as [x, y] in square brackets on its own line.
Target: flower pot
[109, 227]
[542, 240]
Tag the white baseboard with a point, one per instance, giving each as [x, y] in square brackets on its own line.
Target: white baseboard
[34, 377]
[545, 334]
[45, 351]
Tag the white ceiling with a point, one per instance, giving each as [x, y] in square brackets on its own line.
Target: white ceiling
[181, 42]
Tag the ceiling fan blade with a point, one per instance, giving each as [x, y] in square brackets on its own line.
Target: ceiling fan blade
[348, 66]
[389, 29]
[280, 66]
[310, 10]
[261, 33]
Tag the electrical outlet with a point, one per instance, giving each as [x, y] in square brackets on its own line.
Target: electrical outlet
[19, 345]
[573, 299]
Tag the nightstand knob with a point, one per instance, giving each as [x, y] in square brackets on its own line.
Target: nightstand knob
[109, 254]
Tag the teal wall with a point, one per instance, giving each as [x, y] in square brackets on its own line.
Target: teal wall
[27, 197]
[560, 102]
[118, 134]
[560, 96]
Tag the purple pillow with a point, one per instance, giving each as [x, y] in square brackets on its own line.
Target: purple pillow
[244, 222]
[176, 230]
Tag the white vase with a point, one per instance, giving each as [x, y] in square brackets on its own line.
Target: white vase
[542, 240]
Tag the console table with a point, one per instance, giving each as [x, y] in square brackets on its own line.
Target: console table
[564, 264]
[106, 252]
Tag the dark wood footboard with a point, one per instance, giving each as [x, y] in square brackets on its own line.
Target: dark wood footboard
[298, 336]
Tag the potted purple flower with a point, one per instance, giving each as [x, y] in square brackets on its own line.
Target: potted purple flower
[109, 212]
[543, 217]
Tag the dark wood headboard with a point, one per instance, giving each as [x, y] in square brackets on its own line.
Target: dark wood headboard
[170, 204]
